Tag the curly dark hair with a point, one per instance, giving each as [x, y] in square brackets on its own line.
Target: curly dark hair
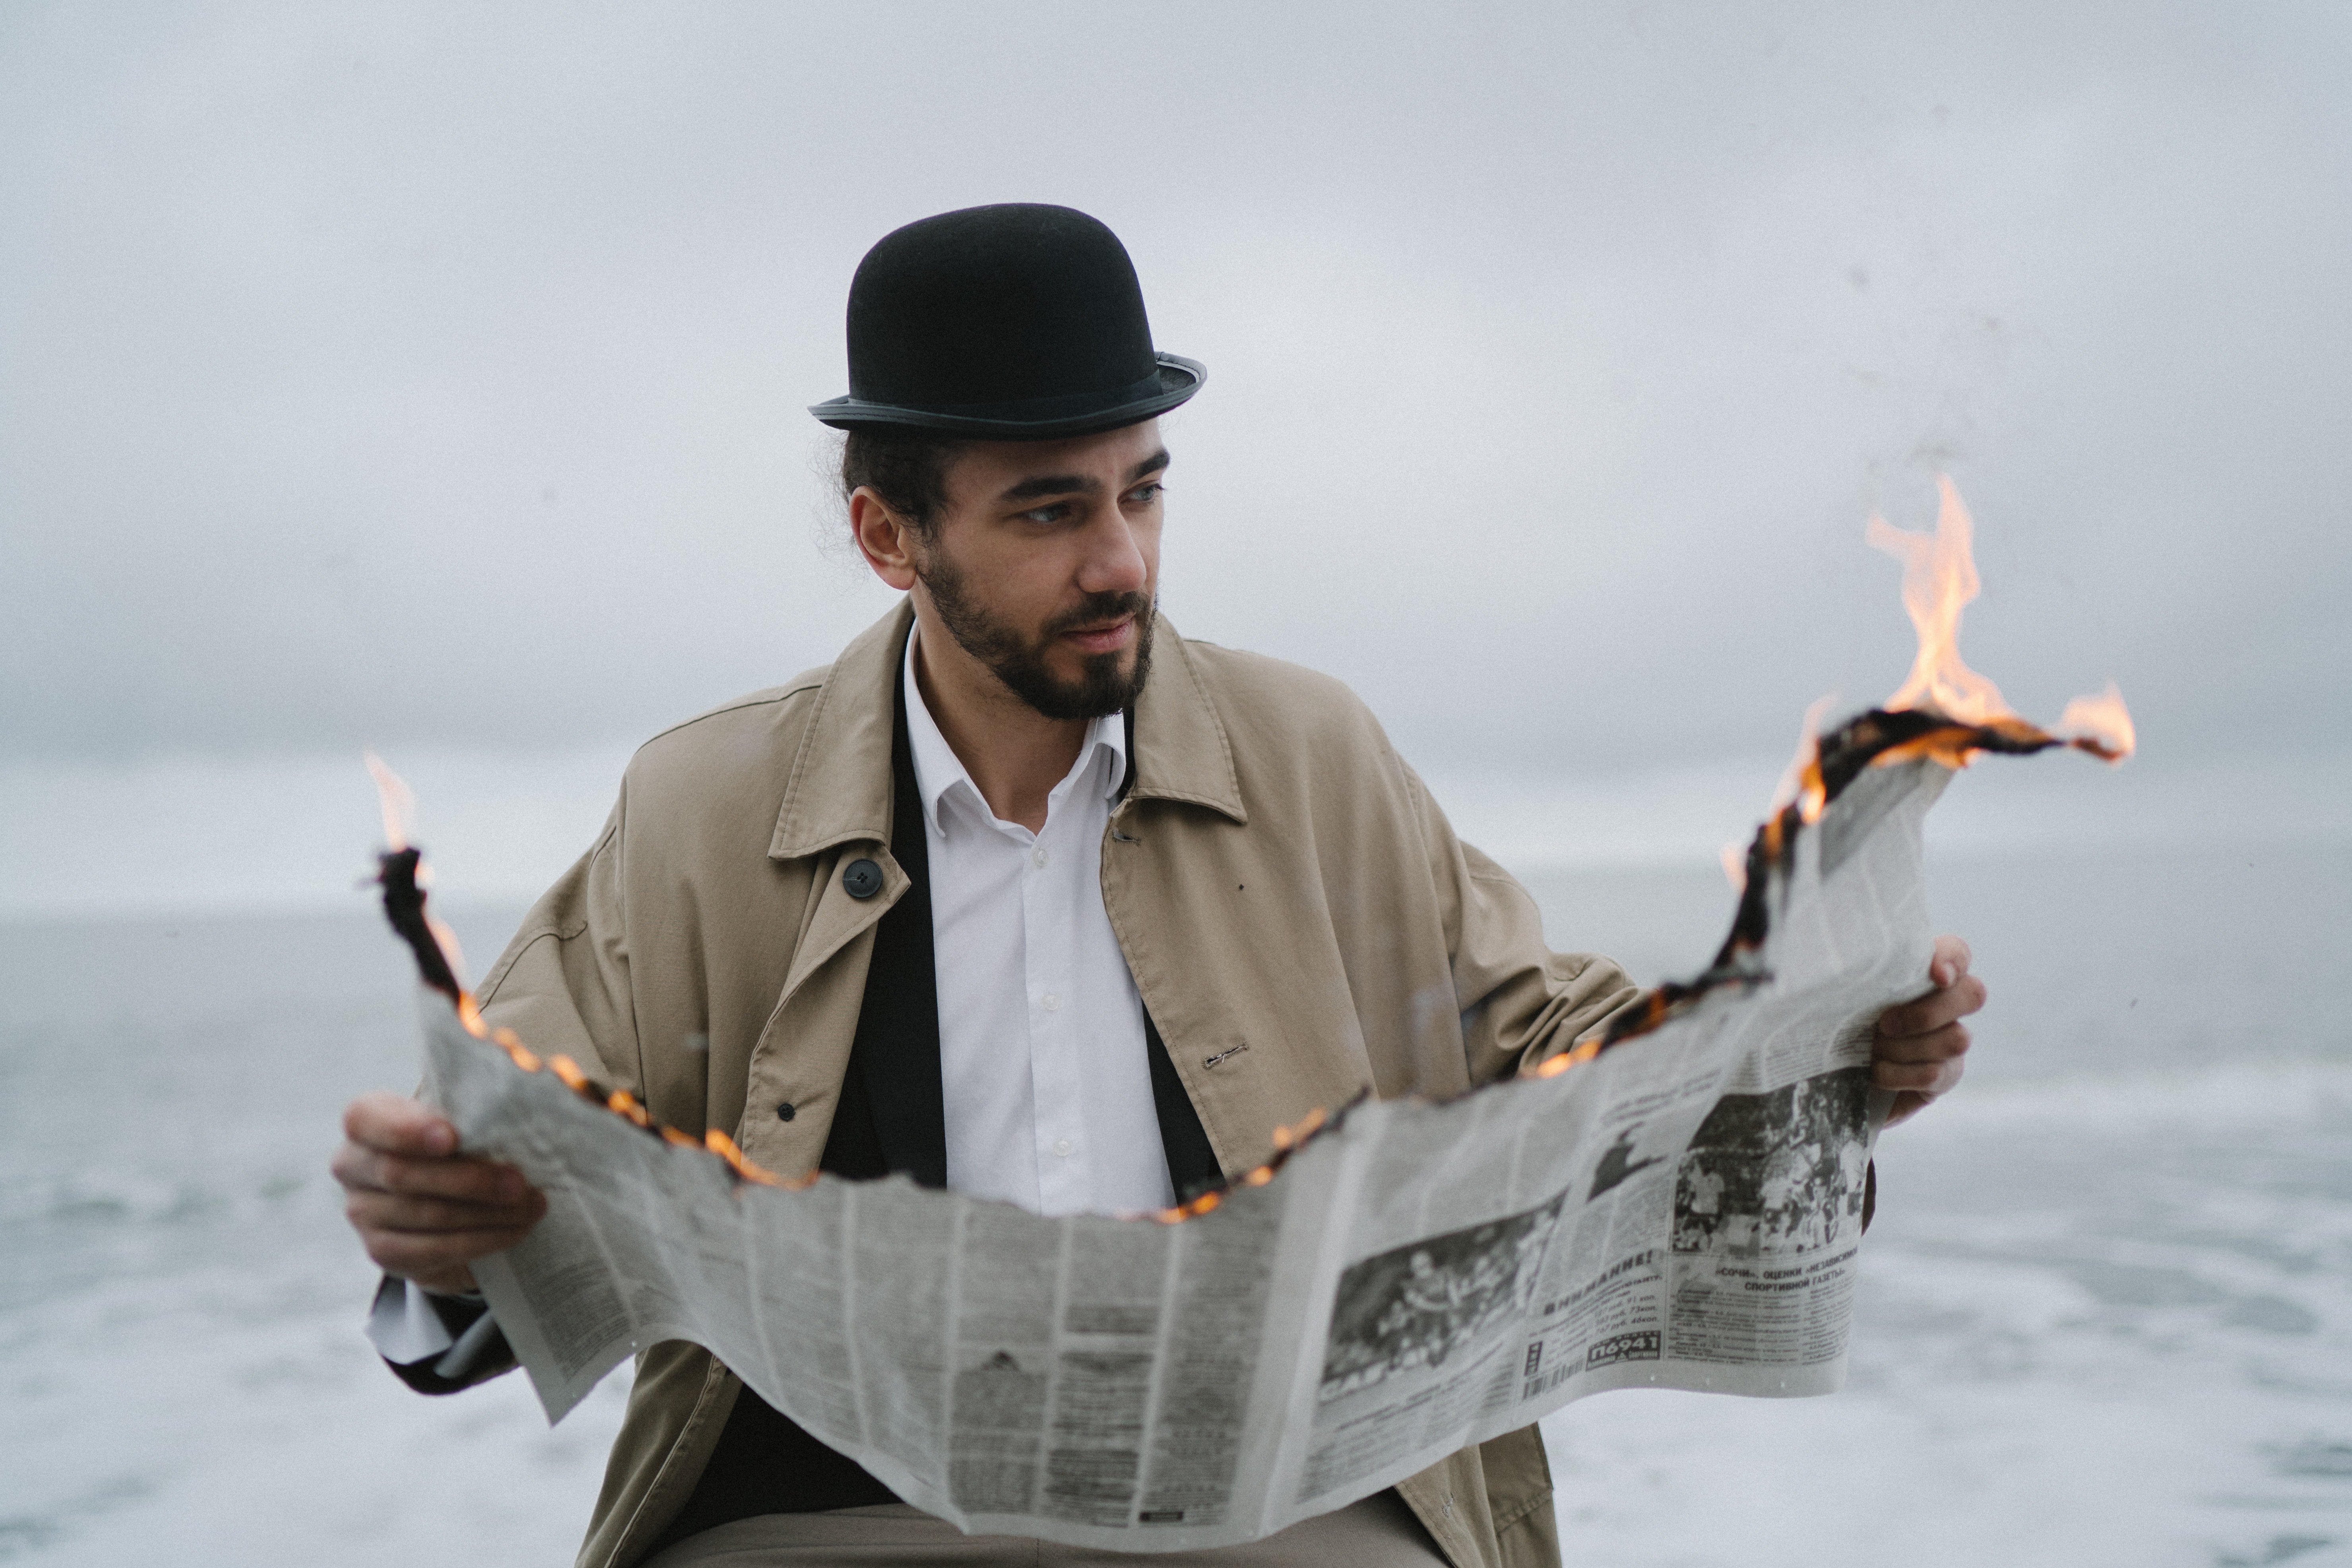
[907, 468]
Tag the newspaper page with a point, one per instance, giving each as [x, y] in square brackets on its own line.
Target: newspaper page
[1683, 1210]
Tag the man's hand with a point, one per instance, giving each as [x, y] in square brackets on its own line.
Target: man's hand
[424, 1211]
[1920, 1043]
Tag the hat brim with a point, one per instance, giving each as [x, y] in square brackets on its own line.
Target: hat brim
[1038, 419]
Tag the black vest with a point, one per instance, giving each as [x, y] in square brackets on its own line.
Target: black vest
[892, 1118]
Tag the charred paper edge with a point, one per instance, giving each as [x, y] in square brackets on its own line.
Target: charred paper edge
[1874, 738]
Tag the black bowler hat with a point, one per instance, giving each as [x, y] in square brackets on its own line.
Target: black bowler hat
[1018, 322]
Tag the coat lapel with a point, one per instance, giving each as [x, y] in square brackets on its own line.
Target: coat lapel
[1178, 745]
[839, 793]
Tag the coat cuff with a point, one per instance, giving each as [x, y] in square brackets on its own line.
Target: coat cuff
[435, 1343]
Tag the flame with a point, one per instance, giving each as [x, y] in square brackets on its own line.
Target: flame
[1944, 712]
[399, 804]
[723, 1146]
[1288, 1141]
[1583, 1051]
[1939, 578]
[2101, 725]
[507, 1040]
[398, 801]
[447, 940]
[624, 1104]
[1801, 785]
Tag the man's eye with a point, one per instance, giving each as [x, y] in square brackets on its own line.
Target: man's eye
[1047, 514]
[1143, 495]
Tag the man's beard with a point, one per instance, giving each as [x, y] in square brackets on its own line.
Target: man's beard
[1101, 689]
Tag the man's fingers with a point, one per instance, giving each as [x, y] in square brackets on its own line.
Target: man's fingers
[1921, 1045]
[422, 1258]
[1930, 1078]
[1933, 1011]
[373, 1211]
[424, 1211]
[398, 1125]
[1935, 1046]
[465, 1180]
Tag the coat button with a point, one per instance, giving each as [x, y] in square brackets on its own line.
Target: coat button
[785, 1112]
[863, 879]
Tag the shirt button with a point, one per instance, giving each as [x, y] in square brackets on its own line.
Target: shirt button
[1051, 1003]
[1062, 1147]
[1039, 856]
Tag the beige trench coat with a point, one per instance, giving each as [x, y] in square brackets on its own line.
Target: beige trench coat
[1300, 919]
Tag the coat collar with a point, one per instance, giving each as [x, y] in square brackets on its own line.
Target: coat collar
[839, 791]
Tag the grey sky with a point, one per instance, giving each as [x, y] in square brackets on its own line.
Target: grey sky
[436, 375]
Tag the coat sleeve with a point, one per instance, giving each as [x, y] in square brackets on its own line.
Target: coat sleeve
[564, 982]
[1519, 1000]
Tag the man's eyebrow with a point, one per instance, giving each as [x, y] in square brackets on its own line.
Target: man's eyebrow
[1040, 485]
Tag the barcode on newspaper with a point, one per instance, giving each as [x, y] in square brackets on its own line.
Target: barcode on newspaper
[1548, 1382]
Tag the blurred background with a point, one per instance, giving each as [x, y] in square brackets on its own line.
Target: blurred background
[434, 377]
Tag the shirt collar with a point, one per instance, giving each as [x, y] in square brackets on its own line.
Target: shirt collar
[937, 770]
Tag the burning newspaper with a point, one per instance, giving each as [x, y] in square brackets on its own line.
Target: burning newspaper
[1676, 1201]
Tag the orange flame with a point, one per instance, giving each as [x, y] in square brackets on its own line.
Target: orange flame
[399, 805]
[1583, 1051]
[447, 940]
[624, 1104]
[507, 1040]
[1954, 714]
[1288, 1141]
[1802, 786]
[2100, 724]
[723, 1146]
[398, 801]
[1939, 578]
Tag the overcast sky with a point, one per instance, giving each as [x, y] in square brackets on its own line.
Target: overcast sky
[435, 377]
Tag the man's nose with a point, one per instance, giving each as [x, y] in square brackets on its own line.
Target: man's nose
[1114, 561]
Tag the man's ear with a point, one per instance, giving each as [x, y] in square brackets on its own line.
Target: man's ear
[884, 538]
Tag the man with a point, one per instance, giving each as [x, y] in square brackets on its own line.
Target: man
[1026, 895]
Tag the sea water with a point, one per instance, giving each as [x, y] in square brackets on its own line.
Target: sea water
[2106, 1315]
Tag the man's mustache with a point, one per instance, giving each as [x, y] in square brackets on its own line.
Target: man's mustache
[1097, 608]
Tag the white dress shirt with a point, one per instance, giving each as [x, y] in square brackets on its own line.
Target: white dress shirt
[1045, 1078]
[1041, 1064]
